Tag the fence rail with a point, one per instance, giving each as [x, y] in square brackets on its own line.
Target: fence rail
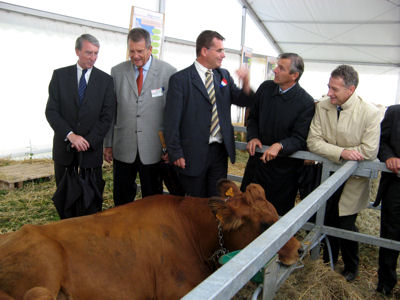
[232, 276]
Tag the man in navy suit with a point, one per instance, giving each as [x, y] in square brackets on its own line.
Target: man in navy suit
[198, 128]
[80, 109]
[389, 193]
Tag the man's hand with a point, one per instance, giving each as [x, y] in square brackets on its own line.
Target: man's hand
[108, 154]
[271, 152]
[165, 158]
[252, 144]
[393, 164]
[180, 162]
[243, 74]
[78, 142]
[351, 155]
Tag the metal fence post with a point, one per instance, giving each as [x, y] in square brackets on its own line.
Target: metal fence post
[319, 221]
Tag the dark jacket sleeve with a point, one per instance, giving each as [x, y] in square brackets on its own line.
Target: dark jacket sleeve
[173, 116]
[238, 97]
[386, 149]
[53, 108]
[253, 119]
[298, 138]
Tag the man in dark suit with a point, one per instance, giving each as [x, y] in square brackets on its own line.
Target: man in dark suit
[280, 118]
[80, 110]
[389, 192]
[198, 129]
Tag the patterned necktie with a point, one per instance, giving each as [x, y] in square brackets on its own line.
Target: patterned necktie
[82, 86]
[211, 93]
[339, 109]
[139, 80]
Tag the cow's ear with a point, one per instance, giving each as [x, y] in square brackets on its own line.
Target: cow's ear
[229, 213]
[255, 196]
[227, 189]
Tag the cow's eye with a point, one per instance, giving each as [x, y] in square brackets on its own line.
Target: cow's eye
[263, 227]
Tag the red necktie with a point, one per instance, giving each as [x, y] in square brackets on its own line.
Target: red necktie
[139, 80]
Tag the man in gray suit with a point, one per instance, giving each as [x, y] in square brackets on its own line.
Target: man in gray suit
[133, 143]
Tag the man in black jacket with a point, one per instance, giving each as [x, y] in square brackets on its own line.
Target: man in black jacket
[280, 118]
[80, 110]
[389, 192]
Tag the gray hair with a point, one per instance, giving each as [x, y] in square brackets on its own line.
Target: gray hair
[86, 37]
[137, 34]
[347, 73]
[296, 63]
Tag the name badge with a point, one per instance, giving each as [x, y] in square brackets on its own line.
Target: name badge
[157, 92]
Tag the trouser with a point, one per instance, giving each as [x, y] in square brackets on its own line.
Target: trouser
[216, 168]
[279, 179]
[348, 248]
[125, 186]
[390, 229]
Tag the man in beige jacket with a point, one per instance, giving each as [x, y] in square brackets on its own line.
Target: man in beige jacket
[345, 127]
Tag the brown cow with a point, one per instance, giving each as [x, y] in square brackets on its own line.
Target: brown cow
[156, 248]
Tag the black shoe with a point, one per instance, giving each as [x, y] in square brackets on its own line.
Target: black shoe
[350, 276]
[384, 290]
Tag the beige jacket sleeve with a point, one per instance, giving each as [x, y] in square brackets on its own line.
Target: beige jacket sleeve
[318, 143]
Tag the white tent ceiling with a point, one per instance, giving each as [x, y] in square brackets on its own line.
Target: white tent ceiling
[337, 31]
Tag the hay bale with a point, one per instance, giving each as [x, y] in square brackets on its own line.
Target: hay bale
[317, 281]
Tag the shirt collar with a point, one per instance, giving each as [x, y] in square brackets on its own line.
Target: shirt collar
[200, 68]
[287, 90]
[146, 66]
[80, 68]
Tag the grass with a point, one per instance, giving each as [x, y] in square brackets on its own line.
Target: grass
[32, 204]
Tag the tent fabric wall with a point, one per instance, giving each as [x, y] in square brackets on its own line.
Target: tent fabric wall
[35, 46]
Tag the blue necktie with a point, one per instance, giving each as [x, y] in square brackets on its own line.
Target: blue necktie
[339, 109]
[82, 86]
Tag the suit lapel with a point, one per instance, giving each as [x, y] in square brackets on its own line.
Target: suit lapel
[151, 75]
[130, 76]
[92, 85]
[217, 82]
[198, 84]
[73, 79]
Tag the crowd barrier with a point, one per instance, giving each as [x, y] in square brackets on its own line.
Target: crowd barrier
[232, 276]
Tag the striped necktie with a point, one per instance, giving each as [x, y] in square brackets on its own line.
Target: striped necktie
[211, 93]
[82, 86]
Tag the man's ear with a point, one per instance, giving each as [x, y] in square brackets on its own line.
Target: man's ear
[295, 76]
[352, 88]
[203, 52]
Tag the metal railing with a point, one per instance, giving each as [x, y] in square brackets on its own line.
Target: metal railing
[232, 276]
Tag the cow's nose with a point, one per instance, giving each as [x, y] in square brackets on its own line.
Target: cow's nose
[300, 251]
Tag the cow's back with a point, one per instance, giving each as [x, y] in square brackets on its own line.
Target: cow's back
[137, 251]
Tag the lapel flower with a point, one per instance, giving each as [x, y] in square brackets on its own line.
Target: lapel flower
[223, 82]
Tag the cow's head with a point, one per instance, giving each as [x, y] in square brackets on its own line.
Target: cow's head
[246, 215]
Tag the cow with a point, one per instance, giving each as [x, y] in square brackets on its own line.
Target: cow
[159, 247]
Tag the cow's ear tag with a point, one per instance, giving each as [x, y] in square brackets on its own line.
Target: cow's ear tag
[219, 217]
[229, 192]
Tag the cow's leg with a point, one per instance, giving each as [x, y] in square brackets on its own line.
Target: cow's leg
[38, 293]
